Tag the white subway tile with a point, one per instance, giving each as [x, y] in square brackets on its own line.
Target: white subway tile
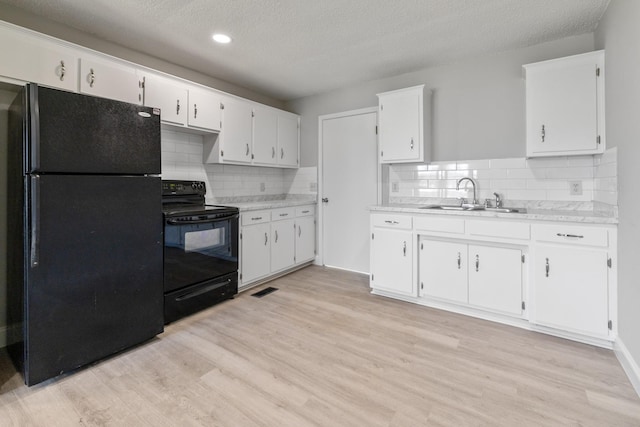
[512, 163]
[547, 162]
[570, 172]
[439, 166]
[473, 164]
[509, 184]
[520, 174]
[580, 161]
[175, 157]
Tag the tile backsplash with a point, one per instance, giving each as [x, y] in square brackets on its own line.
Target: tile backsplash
[182, 159]
[517, 180]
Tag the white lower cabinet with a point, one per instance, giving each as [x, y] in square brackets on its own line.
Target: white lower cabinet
[442, 269]
[392, 261]
[495, 279]
[554, 277]
[482, 276]
[275, 240]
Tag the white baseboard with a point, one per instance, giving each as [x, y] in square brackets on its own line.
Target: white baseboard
[629, 364]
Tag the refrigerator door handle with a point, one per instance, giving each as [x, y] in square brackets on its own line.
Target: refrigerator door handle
[35, 219]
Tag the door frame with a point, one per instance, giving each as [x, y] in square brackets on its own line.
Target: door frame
[321, 119]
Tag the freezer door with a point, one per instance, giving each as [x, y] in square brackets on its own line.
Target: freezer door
[94, 269]
[73, 133]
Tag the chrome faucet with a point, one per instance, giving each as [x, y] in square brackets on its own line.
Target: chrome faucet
[498, 200]
[475, 200]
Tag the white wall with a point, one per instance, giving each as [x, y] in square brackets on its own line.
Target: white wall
[478, 105]
[619, 33]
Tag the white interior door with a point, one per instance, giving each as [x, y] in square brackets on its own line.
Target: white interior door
[350, 186]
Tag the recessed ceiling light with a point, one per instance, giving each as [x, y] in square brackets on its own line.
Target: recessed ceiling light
[222, 38]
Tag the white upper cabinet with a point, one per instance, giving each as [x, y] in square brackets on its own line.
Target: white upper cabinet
[236, 134]
[265, 136]
[30, 58]
[109, 79]
[288, 139]
[170, 97]
[205, 109]
[401, 125]
[565, 106]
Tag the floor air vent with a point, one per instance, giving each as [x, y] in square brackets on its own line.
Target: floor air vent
[265, 291]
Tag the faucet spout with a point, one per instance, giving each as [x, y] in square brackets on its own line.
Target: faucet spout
[473, 183]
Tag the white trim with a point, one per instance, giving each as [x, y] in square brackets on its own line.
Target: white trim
[368, 110]
[629, 364]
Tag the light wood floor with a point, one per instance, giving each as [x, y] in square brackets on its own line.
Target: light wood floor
[323, 351]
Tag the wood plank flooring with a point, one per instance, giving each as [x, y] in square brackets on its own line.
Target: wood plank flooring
[322, 351]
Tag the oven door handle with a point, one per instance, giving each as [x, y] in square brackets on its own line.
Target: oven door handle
[202, 221]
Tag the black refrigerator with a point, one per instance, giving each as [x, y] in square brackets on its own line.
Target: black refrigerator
[85, 230]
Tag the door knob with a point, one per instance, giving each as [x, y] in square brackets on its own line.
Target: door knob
[325, 200]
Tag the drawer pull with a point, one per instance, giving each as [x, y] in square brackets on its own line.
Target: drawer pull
[577, 236]
[305, 211]
[284, 214]
[256, 218]
[391, 222]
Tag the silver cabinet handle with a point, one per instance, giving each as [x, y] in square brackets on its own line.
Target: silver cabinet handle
[404, 248]
[247, 153]
[282, 153]
[543, 133]
[92, 78]
[273, 152]
[177, 107]
[276, 236]
[459, 260]
[547, 267]
[305, 211]
[576, 236]
[412, 143]
[299, 231]
[284, 214]
[391, 222]
[195, 111]
[325, 200]
[265, 239]
[256, 218]
[477, 262]
[63, 70]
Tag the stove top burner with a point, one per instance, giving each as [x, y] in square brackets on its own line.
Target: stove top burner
[187, 198]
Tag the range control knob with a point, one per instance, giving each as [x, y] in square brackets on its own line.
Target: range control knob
[201, 186]
[194, 185]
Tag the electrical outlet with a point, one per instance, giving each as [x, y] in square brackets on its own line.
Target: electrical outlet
[262, 187]
[575, 188]
[313, 186]
[395, 187]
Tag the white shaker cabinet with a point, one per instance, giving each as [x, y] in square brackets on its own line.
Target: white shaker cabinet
[236, 134]
[108, 79]
[255, 246]
[305, 235]
[288, 137]
[442, 270]
[401, 125]
[283, 250]
[170, 97]
[392, 255]
[265, 136]
[565, 106]
[205, 109]
[571, 271]
[30, 58]
[495, 279]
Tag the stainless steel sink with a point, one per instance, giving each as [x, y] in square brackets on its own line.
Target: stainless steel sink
[507, 210]
[470, 207]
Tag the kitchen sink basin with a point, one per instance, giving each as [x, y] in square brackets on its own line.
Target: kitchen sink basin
[470, 207]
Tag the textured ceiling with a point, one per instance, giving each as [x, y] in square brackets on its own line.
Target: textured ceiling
[288, 49]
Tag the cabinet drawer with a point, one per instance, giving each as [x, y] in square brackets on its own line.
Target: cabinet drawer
[255, 217]
[504, 229]
[282, 213]
[391, 221]
[569, 234]
[440, 225]
[305, 210]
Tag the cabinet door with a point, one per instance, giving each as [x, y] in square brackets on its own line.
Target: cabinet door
[282, 244]
[443, 270]
[288, 136]
[392, 261]
[305, 239]
[255, 255]
[562, 107]
[401, 127]
[204, 109]
[571, 289]
[265, 136]
[31, 59]
[235, 135]
[169, 97]
[495, 278]
[110, 80]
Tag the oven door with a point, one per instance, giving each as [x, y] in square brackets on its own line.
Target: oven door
[198, 248]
